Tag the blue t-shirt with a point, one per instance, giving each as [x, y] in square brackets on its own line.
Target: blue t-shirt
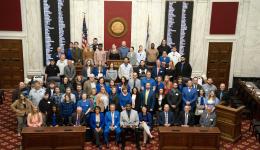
[123, 100]
[85, 105]
[123, 51]
[151, 81]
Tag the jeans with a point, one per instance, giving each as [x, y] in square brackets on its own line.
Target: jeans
[21, 120]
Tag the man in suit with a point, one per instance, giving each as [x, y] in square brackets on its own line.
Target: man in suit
[112, 123]
[129, 121]
[134, 82]
[148, 97]
[78, 117]
[183, 68]
[174, 99]
[186, 118]
[196, 85]
[90, 84]
[166, 117]
[208, 117]
[222, 94]
[77, 54]
[70, 71]
[189, 96]
[158, 70]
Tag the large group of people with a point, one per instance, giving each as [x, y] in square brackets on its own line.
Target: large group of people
[151, 87]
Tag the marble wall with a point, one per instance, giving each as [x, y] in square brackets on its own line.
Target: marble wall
[246, 47]
[249, 52]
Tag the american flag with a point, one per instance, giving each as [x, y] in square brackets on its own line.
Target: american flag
[84, 34]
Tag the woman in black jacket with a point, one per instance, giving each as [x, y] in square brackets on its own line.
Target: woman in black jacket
[171, 72]
[136, 101]
[160, 102]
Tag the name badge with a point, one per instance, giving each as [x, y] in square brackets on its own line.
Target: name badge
[177, 94]
[49, 102]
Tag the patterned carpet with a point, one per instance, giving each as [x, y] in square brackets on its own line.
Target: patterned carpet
[10, 141]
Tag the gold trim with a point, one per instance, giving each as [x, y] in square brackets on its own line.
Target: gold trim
[117, 27]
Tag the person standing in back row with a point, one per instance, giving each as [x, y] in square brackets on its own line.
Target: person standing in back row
[123, 50]
[183, 69]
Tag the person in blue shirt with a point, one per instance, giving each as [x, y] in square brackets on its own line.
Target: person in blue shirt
[54, 118]
[97, 122]
[85, 104]
[123, 50]
[124, 98]
[164, 59]
[99, 71]
[122, 84]
[101, 82]
[145, 119]
[159, 84]
[212, 100]
[181, 85]
[112, 123]
[68, 52]
[67, 107]
[148, 79]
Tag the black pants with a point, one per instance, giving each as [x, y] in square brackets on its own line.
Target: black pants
[97, 136]
[131, 130]
[197, 119]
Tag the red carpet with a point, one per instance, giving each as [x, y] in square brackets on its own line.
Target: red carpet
[10, 141]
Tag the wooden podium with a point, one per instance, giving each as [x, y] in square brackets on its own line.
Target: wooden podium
[229, 122]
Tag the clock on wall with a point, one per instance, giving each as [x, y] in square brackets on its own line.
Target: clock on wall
[117, 27]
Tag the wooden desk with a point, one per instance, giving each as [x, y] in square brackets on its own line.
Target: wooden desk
[187, 138]
[53, 138]
[250, 95]
[249, 91]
